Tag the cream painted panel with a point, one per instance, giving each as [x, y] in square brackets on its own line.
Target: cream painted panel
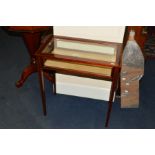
[104, 33]
[88, 55]
[85, 47]
[85, 87]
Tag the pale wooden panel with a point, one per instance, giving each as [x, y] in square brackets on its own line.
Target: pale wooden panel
[78, 67]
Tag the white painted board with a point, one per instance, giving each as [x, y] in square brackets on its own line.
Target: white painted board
[82, 87]
[104, 33]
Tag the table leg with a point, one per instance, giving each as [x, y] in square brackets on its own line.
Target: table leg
[112, 92]
[26, 73]
[54, 83]
[42, 86]
[32, 42]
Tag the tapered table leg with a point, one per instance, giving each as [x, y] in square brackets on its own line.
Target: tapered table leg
[112, 93]
[42, 86]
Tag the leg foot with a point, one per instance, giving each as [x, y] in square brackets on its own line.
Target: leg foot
[26, 73]
[54, 85]
[49, 77]
[108, 114]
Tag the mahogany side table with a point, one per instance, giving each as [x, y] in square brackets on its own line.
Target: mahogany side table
[32, 39]
[80, 57]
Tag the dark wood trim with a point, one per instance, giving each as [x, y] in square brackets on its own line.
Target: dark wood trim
[78, 73]
[79, 60]
[42, 84]
[28, 29]
[54, 84]
[44, 45]
[112, 44]
[115, 79]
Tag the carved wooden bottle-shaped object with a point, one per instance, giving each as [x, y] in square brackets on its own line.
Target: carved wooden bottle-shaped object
[131, 72]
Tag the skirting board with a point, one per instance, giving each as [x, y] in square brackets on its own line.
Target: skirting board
[82, 87]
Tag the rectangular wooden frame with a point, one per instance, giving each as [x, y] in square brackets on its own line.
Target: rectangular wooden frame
[114, 78]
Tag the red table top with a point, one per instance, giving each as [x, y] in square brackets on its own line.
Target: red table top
[28, 28]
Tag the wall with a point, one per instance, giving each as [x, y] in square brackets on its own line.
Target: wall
[105, 33]
[86, 87]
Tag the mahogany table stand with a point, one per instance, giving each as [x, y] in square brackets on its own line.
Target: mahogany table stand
[32, 40]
